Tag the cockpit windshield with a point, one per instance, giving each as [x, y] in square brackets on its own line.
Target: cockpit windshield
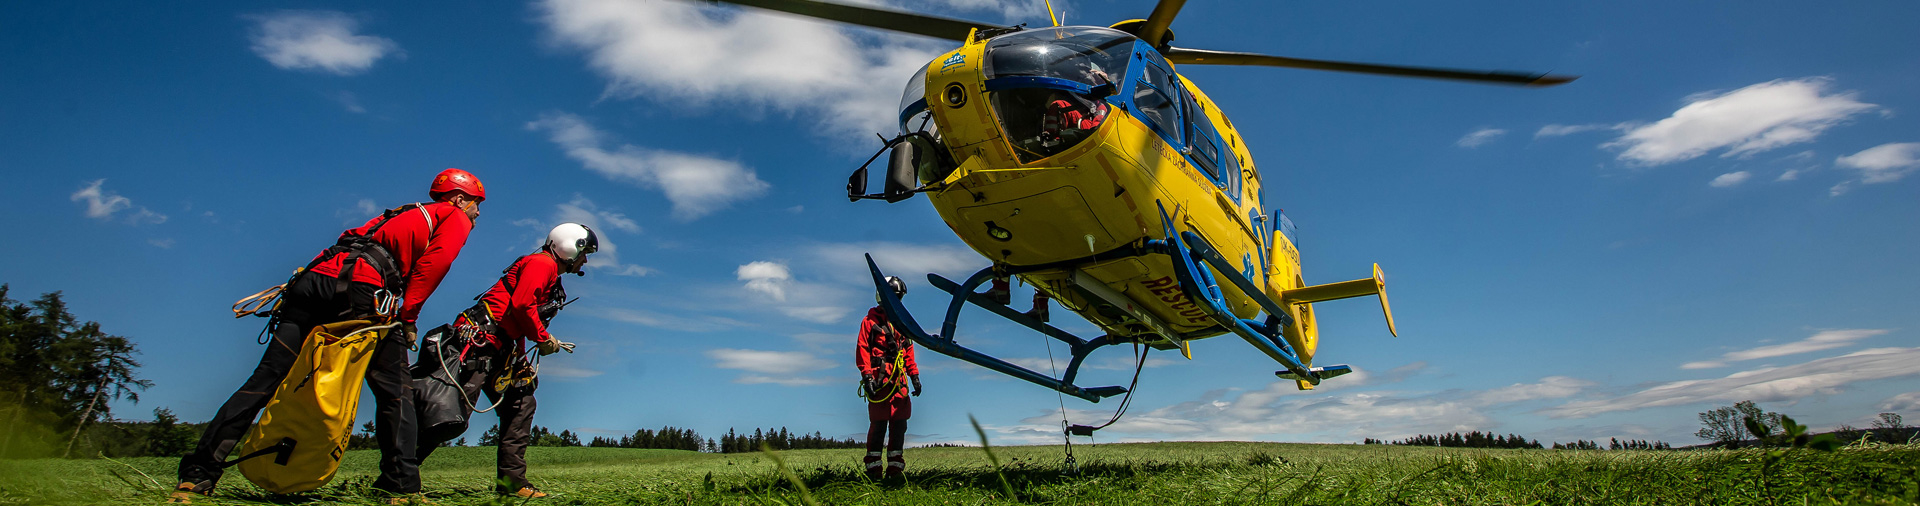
[913, 104]
[1087, 55]
[1043, 85]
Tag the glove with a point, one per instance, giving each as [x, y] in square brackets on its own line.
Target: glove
[411, 332]
[916, 385]
[552, 346]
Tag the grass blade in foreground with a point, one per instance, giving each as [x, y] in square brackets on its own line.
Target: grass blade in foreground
[988, 447]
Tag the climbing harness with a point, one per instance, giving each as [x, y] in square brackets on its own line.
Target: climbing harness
[894, 381]
[387, 300]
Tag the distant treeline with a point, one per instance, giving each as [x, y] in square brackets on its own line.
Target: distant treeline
[671, 438]
[781, 440]
[1475, 439]
[1478, 439]
[667, 438]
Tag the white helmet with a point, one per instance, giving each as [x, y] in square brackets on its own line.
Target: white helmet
[570, 243]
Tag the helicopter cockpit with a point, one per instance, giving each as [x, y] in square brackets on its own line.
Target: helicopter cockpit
[1047, 85]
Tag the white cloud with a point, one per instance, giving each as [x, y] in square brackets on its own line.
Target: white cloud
[161, 243]
[1557, 130]
[103, 204]
[1789, 175]
[1823, 340]
[1907, 402]
[564, 372]
[1021, 10]
[766, 277]
[1328, 414]
[691, 323]
[1745, 121]
[583, 211]
[358, 213]
[788, 368]
[817, 314]
[1480, 137]
[1730, 179]
[349, 101]
[691, 52]
[317, 40]
[1885, 163]
[1551, 387]
[696, 185]
[1818, 377]
[908, 261]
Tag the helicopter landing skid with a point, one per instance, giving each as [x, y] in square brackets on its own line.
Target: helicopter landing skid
[1189, 250]
[945, 345]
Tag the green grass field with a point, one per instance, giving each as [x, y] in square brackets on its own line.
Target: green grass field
[1164, 474]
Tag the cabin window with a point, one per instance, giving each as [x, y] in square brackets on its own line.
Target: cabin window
[1153, 96]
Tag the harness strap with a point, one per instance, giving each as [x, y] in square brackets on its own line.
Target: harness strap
[281, 452]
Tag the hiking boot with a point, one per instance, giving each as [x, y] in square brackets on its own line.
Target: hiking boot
[409, 499]
[873, 465]
[1039, 311]
[896, 464]
[186, 490]
[1000, 293]
[528, 493]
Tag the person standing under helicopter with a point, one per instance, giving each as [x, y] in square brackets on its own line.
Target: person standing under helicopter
[385, 269]
[885, 359]
[517, 309]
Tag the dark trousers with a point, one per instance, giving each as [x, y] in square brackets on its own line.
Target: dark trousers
[515, 408]
[311, 301]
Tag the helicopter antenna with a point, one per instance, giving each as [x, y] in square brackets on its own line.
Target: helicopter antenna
[1050, 15]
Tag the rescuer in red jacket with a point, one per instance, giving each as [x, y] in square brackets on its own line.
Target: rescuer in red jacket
[496, 330]
[380, 271]
[885, 359]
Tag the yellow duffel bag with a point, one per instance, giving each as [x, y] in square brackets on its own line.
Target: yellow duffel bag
[306, 425]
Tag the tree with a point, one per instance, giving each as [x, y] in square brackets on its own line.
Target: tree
[165, 437]
[364, 440]
[1889, 427]
[491, 437]
[461, 442]
[1726, 426]
[57, 374]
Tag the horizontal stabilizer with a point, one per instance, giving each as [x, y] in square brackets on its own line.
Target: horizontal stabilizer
[1320, 372]
[1376, 285]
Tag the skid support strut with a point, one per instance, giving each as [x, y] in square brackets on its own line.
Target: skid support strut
[1189, 251]
[944, 344]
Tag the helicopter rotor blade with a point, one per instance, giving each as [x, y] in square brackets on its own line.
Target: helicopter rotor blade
[1209, 57]
[1154, 31]
[885, 19]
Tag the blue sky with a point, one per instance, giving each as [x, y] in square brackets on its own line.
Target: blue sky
[1723, 208]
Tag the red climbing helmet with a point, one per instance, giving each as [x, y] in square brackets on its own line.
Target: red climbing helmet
[457, 180]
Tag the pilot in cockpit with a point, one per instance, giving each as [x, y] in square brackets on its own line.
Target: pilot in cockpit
[1069, 114]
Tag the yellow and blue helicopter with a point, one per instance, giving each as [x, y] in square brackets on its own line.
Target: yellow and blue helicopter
[1078, 159]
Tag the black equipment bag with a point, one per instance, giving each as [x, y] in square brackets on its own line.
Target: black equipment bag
[440, 406]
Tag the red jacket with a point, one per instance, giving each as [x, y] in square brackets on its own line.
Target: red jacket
[517, 310]
[874, 355]
[423, 243]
